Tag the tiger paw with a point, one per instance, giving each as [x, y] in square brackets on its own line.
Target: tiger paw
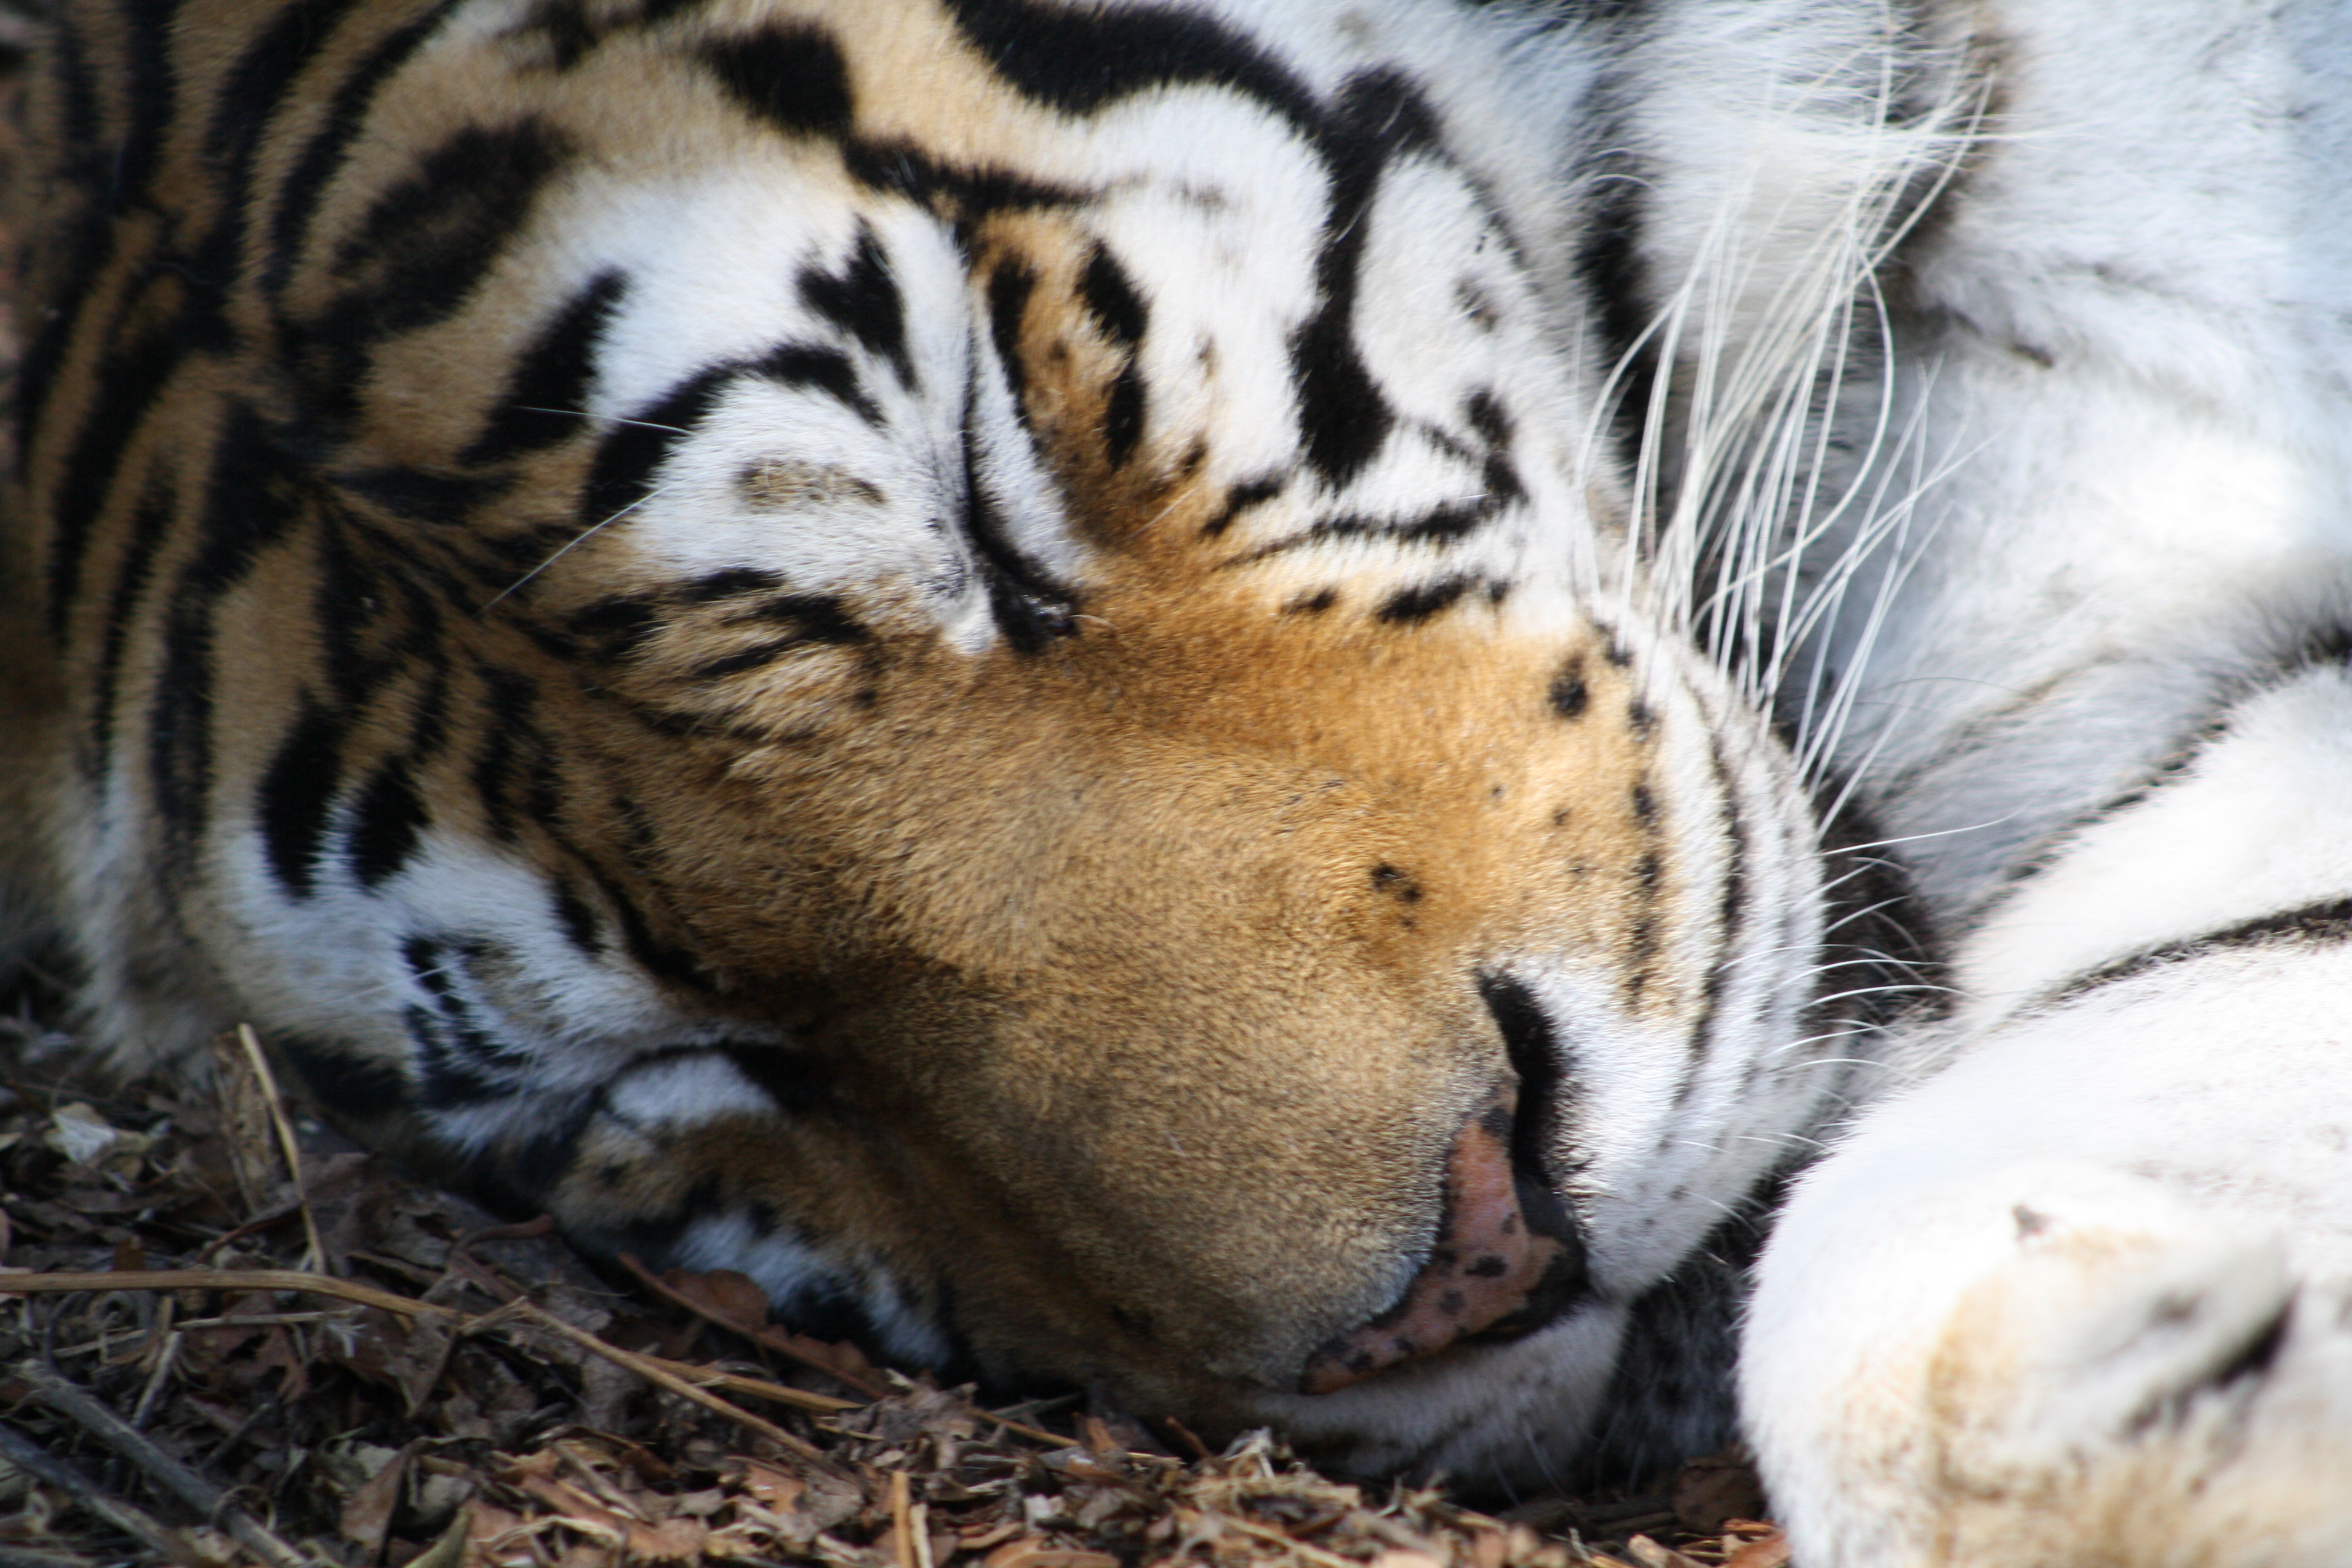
[2108, 1374]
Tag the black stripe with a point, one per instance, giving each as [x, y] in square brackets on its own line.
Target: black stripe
[513, 752]
[545, 399]
[2324, 923]
[1446, 524]
[127, 382]
[826, 369]
[793, 78]
[662, 960]
[1110, 298]
[821, 617]
[1642, 937]
[248, 506]
[576, 919]
[1009, 288]
[864, 302]
[88, 239]
[1240, 499]
[1423, 600]
[571, 32]
[149, 520]
[307, 184]
[260, 81]
[1616, 280]
[150, 93]
[1342, 416]
[1079, 62]
[297, 793]
[1730, 918]
[758, 657]
[1123, 414]
[1487, 417]
[1649, 874]
[908, 169]
[387, 822]
[618, 625]
[1029, 608]
[621, 475]
[417, 494]
[731, 584]
[423, 247]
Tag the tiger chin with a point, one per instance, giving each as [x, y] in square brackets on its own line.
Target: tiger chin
[981, 661]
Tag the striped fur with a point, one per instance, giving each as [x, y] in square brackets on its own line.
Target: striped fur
[977, 659]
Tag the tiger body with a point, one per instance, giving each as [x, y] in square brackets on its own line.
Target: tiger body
[1025, 670]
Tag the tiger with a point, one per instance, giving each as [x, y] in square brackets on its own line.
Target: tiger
[1464, 728]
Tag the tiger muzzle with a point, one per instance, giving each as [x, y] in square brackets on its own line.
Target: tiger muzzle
[1506, 1261]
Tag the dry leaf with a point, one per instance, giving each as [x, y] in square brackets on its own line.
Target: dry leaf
[367, 1513]
[1024, 1554]
[735, 1300]
[671, 1541]
[85, 1138]
[1764, 1551]
[255, 1158]
[1710, 1490]
[1649, 1554]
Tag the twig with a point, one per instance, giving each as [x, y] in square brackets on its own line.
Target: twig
[286, 1141]
[69, 1400]
[136, 1522]
[19, 1557]
[277, 1215]
[757, 1333]
[902, 1526]
[654, 1372]
[164, 1363]
[263, 1409]
[759, 1388]
[1267, 1533]
[220, 1279]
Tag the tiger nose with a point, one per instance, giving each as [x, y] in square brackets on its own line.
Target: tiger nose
[1506, 1261]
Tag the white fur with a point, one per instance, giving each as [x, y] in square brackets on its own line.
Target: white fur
[2094, 494]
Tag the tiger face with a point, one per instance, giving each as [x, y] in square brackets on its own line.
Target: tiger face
[975, 658]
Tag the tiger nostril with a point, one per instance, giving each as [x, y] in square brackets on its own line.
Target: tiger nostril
[1508, 1257]
[1536, 1057]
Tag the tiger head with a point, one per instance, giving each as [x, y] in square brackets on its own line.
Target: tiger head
[997, 678]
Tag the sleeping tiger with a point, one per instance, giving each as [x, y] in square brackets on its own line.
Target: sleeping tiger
[1237, 704]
